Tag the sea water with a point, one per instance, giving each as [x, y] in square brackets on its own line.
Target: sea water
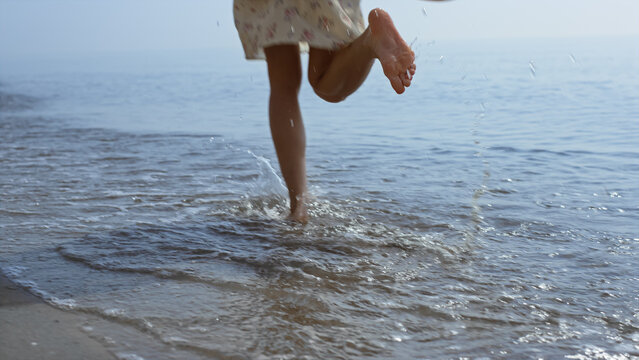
[492, 211]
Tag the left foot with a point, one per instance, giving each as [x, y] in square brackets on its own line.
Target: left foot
[396, 57]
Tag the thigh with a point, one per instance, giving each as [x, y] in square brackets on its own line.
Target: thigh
[284, 65]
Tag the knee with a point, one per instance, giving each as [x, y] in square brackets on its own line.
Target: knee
[286, 82]
[314, 81]
[331, 98]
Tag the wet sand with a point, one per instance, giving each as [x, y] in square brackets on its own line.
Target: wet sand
[32, 329]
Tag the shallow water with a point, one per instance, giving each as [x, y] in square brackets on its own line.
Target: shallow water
[490, 212]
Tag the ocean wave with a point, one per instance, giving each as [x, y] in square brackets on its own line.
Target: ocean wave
[17, 102]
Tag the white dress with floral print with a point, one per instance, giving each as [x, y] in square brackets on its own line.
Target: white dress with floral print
[322, 24]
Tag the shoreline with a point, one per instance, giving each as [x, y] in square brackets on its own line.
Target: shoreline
[33, 329]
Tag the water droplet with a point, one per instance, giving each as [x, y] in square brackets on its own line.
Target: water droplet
[424, 12]
[441, 59]
[572, 58]
[410, 76]
[376, 15]
[218, 23]
[533, 70]
[292, 123]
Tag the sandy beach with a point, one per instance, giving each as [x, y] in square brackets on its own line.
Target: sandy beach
[32, 329]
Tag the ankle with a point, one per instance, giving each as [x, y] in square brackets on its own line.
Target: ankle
[297, 201]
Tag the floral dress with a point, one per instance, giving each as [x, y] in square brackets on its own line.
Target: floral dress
[322, 24]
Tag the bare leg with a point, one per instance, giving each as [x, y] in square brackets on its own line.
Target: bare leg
[287, 128]
[336, 74]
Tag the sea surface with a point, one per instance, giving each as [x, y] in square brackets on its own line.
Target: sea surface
[490, 212]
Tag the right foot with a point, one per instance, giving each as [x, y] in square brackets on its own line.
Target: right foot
[299, 215]
[298, 210]
[396, 57]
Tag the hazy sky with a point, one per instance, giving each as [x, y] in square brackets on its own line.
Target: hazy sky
[84, 26]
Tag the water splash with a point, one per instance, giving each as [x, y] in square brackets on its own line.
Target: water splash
[268, 181]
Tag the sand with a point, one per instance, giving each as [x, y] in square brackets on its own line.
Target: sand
[32, 329]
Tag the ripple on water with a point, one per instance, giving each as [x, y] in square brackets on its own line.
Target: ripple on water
[493, 244]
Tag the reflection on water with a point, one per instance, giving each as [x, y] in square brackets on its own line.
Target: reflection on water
[491, 238]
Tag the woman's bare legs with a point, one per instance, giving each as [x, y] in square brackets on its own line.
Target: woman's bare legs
[335, 75]
[287, 128]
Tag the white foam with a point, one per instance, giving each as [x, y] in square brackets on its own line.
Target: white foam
[128, 356]
[594, 352]
[14, 272]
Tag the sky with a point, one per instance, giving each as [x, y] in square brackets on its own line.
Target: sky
[89, 26]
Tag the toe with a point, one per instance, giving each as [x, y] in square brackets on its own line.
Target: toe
[410, 73]
[406, 78]
[397, 84]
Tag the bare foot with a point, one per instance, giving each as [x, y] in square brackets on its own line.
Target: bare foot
[396, 57]
[298, 210]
